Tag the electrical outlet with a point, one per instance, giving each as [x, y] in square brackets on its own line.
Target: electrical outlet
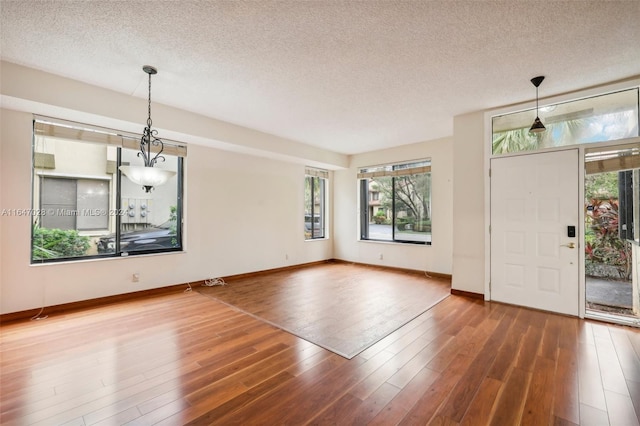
[286, 256]
[135, 277]
[380, 256]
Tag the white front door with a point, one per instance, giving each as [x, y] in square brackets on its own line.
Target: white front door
[534, 258]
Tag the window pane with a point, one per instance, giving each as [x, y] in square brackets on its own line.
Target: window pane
[380, 208]
[87, 207]
[611, 199]
[60, 201]
[93, 202]
[597, 119]
[72, 191]
[413, 207]
[150, 219]
[396, 206]
[314, 207]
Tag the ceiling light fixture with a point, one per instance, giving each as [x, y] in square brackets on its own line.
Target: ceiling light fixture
[537, 126]
[147, 175]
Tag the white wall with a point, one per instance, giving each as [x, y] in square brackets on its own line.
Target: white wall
[434, 258]
[243, 200]
[469, 203]
[243, 214]
[27, 89]
[471, 146]
[244, 192]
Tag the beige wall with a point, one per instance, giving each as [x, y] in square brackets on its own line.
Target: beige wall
[469, 203]
[227, 168]
[434, 258]
[243, 202]
[243, 214]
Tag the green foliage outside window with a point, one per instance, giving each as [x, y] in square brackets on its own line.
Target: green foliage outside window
[603, 245]
[380, 217]
[58, 243]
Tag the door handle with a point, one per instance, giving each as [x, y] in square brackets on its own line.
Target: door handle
[570, 245]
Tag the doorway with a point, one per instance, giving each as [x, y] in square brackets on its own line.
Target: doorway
[611, 232]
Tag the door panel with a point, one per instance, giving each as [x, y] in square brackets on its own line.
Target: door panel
[534, 263]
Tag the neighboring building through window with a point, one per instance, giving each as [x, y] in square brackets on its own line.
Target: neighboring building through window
[84, 207]
[67, 197]
[315, 194]
[395, 202]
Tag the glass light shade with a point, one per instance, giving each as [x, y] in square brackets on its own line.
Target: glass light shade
[148, 177]
[537, 126]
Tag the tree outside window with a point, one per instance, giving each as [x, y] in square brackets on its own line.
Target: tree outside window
[396, 202]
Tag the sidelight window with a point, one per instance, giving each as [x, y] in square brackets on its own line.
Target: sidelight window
[315, 193]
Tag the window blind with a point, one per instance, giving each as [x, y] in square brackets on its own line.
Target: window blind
[401, 169]
[311, 171]
[612, 158]
[56, 128]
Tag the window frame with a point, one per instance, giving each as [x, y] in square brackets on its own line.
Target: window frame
[392, 171]
[106, 138]
[321, 177]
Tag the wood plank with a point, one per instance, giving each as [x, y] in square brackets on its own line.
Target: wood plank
[627, 356]
[184, 358]
[313, 308]
[634, 394]
[610, 370]
[620, 409]
[589, 378]
[591, 416]
[539, 402]
[431, 400]
[489, 340]
[481, 408]
[566, 402]
[406, 398]
[511, 401]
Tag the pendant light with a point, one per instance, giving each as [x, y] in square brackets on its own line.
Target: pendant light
[537, 126]
[147, 176]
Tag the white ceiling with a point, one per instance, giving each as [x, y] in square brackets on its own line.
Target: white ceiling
[347, 76]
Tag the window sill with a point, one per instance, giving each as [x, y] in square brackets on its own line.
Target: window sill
[104, 258]
[406, 243]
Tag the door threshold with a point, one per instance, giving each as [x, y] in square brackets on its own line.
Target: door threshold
[616, 319]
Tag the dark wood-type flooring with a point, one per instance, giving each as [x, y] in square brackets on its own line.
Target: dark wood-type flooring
[337, 305]
[184, 358]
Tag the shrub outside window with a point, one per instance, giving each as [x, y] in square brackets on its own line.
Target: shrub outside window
[84, 207]
[395, 202]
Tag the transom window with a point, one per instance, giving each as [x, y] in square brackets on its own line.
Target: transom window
[395, 202]
[84, 207]
[607, 117]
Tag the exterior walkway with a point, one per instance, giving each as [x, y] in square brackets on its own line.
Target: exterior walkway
[612, 293]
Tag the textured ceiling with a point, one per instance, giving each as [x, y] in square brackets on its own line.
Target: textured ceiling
[347, 76]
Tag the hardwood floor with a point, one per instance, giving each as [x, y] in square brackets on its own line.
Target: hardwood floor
[185, 358]
[340, 306]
